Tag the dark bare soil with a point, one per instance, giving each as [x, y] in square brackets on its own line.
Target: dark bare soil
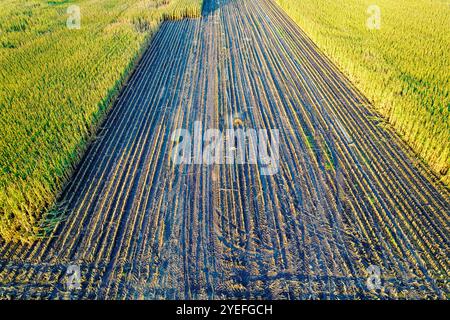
[348, 193]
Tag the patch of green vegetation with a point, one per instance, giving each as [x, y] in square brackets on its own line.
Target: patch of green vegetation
[310, 142]
[402, 67]
[56, 83]
[329, 160]
[59, 2]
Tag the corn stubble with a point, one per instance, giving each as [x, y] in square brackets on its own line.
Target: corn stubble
[347, 195]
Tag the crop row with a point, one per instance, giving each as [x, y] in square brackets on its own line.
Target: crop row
[348, 193]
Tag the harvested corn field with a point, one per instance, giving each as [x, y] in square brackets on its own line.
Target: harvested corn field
[347, 197]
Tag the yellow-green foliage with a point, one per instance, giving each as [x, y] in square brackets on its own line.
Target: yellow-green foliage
[55, 85]
[403, 67]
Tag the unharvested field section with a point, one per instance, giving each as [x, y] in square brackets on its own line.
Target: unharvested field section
[401, 63]
[62, 63]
